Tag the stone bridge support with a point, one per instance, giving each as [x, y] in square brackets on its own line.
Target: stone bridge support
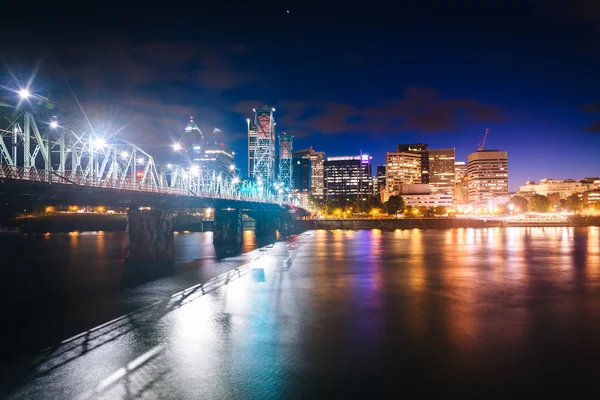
[228, 227]
[149, 235]
[265, 223]
[286, 224]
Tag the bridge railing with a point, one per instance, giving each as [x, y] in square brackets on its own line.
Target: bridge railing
[70, 178]
[21, 173]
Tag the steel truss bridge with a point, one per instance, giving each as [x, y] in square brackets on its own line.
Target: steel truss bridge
[58, 155]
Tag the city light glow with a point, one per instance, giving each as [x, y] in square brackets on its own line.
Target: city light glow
[176, 146]
[24, 94]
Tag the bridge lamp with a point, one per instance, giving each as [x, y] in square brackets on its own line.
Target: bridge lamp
[176, 146]
[53, 123]
[24, 94]
[231, 167]
[235, 180]
[219, 178]
[99, 142]
[124, 154]
[195, 170]
[170, 166]
[140, 160]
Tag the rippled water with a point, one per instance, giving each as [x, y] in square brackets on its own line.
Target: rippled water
[479, 313]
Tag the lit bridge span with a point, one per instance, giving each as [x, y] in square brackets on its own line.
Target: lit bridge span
[58, 166]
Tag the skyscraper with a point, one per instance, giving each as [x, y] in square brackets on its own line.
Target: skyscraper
[192, 141]
[418, 148]
[460, 182]
[285, 171]
[381, 178]
[441, 171]
[488, 176]
[401, 168]
[261, 145]
[348, 176]
[309, 163]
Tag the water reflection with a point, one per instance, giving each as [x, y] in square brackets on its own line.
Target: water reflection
[341, 314]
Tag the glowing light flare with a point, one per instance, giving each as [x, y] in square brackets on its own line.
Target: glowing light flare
[54, 124]
[24, 93]
[177, 146]
[124, 154]
[99, 143]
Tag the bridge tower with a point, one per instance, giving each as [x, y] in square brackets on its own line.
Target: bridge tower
[264, 164]
[285, 160]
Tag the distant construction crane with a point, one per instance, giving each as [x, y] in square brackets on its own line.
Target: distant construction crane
[480, 147]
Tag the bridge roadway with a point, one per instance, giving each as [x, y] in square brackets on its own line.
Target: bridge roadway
[149, 231]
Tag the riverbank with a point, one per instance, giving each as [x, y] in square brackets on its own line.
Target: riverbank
[437, 223]
[63, 223]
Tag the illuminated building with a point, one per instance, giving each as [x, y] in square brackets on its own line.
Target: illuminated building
[212, 156]
[286, 171]
[192, 140]
[563, 187]
[216, 157]
[308, 171]
[261, 145]
[348, 176]
[421, 149]
[487, 172]
[442, 171]
[460, 182]
[380, 179]
[401, 168]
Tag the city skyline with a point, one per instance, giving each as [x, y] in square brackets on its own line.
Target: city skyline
[419, 77]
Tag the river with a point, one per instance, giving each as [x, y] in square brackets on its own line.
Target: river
[475, 312]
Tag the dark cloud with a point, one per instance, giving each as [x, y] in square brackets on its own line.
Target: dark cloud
[594, 127]
[421, 110]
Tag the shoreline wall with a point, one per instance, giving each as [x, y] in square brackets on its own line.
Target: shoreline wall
[63, 223]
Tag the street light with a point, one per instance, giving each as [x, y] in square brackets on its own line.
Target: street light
[176, 146]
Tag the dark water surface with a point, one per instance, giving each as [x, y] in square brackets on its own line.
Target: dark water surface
[486, 313]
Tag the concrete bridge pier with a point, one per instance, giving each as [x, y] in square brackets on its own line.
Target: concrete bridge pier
[285, 224]
[149, 235]
[228, 227]
[265, 223]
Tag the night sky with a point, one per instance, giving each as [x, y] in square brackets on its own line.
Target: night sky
[343, 78]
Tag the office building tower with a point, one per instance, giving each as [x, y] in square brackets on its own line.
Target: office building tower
[309, 163]
[401, 168]
[348, 176]
[418, 148]
[442, 172]
[487, 172]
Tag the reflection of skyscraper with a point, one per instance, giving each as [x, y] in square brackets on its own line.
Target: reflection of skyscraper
[441, 171]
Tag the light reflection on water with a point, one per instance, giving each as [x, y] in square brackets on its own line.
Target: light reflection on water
[464, 311]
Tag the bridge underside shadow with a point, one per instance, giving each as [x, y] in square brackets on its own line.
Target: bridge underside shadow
[149, 225]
